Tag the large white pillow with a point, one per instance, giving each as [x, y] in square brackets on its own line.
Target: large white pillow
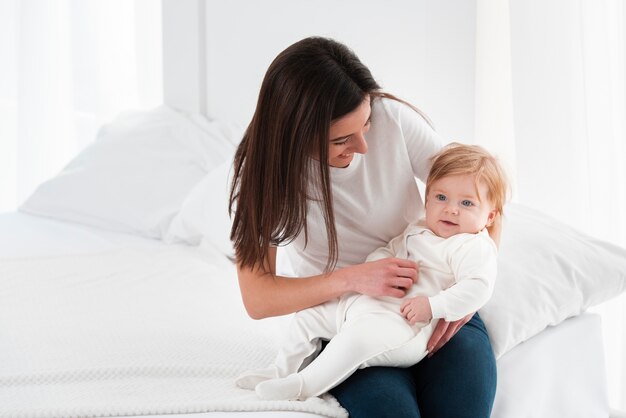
[547, 272]
[134, 177]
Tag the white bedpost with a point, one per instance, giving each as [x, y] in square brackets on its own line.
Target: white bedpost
[184, 55]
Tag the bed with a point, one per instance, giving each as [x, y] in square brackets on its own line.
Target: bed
[118, 296]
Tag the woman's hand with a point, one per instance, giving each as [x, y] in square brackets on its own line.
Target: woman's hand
[443, 332]
[385, 277]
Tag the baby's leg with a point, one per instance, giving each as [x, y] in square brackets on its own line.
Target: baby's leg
[407, 354]
[307, 327]
[360, 340]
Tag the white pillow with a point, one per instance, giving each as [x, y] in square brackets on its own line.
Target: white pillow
[547, 272]
[204, 217]
[134, 177]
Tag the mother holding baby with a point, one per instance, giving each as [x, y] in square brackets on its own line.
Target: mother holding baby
[328, 165]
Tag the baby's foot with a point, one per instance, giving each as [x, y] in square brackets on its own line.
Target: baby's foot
[249, 379]
[286, 388]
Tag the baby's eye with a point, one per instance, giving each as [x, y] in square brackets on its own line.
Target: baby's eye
[467, 203]
[440, 197]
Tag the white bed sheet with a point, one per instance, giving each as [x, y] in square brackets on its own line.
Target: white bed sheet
[558, 373]
[24, 235]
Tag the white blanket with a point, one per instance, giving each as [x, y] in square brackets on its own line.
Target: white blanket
[130, 332]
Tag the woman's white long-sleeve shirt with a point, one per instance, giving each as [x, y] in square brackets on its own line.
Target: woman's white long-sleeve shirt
[376, 196]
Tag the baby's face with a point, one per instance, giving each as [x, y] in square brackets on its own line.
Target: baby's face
[454, 207]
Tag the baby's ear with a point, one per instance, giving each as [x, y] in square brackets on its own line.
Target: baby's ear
[491, 217]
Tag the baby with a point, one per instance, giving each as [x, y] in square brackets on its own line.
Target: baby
[465, 191]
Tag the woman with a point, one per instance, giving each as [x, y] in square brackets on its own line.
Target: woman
[328, 164]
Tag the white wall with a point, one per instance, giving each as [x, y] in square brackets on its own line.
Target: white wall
[184, 54]
[420, 50]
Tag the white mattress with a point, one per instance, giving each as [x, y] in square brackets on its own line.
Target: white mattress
[558, 373]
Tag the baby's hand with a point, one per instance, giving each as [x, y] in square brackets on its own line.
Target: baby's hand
[416, 309]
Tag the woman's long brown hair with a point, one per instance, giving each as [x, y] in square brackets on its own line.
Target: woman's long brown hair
[309, 85]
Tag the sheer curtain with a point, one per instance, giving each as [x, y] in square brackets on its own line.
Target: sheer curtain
[67, 66]
[551, 100]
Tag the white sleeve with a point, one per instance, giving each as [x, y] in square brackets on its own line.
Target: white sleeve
[474, 265]
[422, 141]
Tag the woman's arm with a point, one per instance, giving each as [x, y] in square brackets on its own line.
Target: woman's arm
[265, 294]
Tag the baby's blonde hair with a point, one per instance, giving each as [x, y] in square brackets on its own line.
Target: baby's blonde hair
[455, 159]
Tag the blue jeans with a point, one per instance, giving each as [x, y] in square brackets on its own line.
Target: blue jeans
[458, 381]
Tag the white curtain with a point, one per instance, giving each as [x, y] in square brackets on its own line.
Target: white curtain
[67, 66]
[551, 100]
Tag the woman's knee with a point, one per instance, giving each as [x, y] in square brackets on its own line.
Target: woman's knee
[460, 379]
[378, 392]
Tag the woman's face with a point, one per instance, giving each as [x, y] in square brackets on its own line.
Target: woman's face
[347, 135]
